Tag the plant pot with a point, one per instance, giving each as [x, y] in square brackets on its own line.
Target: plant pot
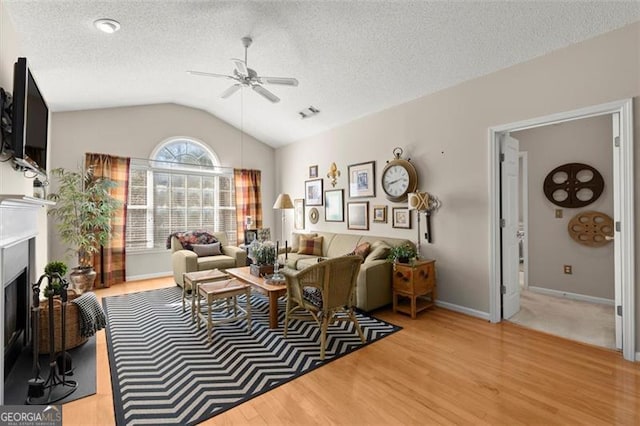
[402, 260]
[82, 279]
[260, 270]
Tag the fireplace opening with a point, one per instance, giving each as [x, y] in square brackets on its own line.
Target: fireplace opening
[16, 315]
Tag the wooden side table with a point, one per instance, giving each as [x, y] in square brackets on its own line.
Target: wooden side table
[191, 282]
[411, 283]
[222, 295]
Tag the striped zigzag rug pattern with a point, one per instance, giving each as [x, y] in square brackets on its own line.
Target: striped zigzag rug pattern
[163, 371]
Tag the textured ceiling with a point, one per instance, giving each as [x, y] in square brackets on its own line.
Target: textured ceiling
[351, 58]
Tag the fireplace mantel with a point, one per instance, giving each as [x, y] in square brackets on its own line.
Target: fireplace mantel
[18, 223]
[23, 201]
[18, 220]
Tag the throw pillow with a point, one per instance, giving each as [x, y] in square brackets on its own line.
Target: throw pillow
[310, 245]
[206, 249]
[379, 250]
[188, 239]
[362, 250]
[295, 240]
[312, 295]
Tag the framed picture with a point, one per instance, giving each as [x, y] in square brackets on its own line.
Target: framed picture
[358, 215]
[250, 235]
[298, 213]
[264, 234]
[313, 171]
[380, 214]
[334, 205]
[401, 218]
[313, 192]
[362, 180]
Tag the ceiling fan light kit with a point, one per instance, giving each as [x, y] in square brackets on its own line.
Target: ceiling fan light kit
[247, 77]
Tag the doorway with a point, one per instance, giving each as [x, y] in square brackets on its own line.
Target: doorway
[622, 146]
[571, 288]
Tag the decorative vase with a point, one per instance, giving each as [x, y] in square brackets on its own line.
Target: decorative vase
[82, 279]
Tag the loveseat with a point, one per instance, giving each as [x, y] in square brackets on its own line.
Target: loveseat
[189, 261]
[373, 288]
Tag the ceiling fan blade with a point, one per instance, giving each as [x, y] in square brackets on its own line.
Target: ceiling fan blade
[208, 74]
[241, 66]
[267, 94]
[285, 81]
[230, 91]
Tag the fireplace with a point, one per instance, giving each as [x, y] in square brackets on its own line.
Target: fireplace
[18, 229]
[16, 302]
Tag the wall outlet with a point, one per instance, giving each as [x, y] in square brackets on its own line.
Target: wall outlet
[558, 213]
[568, 269]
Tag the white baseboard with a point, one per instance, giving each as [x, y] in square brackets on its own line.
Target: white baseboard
[463, 310]
[574, 296]
[637, 356]
[149, 276]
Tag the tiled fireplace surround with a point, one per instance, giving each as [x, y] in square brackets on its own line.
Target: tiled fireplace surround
[18, 228]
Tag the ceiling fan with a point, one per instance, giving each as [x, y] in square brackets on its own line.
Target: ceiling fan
[245, 76]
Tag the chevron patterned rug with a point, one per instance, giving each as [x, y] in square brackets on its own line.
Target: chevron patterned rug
[164, 372]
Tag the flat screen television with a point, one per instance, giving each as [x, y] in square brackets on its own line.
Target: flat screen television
[30, 120]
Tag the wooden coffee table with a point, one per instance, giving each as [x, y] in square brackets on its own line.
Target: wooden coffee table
[261, 286]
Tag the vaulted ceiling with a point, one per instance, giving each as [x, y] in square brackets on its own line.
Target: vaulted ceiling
[351, 58]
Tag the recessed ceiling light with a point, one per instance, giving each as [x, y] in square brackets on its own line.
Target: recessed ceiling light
[108, 26]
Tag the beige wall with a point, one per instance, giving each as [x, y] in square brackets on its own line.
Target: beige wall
[446, 136]
[587, 141]
[12, 181]
[135, 132]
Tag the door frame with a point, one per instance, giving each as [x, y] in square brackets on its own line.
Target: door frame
[524, 191]
[624, 205]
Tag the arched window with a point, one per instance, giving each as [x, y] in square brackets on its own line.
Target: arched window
[185, 151]
[180, 188]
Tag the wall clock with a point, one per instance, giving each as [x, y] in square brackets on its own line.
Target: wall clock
[399, 177]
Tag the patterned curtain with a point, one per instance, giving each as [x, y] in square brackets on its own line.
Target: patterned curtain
[248, 199]
[109, 263]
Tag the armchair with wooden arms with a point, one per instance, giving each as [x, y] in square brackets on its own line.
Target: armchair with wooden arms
[325, 290]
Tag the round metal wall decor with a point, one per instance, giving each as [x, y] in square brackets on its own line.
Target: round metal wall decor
[314, 215]
[573, 185]
[591, 228]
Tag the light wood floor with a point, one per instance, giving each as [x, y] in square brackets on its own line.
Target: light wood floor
[442, 368]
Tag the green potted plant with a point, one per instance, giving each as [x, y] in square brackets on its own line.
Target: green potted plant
[56, 271]
[402, 253]
[263, 255]
[83, 213]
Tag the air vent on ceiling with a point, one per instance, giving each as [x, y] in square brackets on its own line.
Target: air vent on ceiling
[309, 112]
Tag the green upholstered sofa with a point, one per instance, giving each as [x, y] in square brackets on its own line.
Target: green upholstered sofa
[373, 288]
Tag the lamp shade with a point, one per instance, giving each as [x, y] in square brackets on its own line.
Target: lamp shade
[283, 202]
[418, 201]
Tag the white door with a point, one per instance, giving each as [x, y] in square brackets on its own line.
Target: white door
[509, 164]
[617, 246]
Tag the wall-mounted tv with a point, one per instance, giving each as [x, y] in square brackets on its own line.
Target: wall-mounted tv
[30, 120]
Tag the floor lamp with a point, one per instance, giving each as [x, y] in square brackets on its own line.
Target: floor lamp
[283, 202]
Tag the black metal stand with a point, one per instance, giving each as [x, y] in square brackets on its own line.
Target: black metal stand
[55, 387]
